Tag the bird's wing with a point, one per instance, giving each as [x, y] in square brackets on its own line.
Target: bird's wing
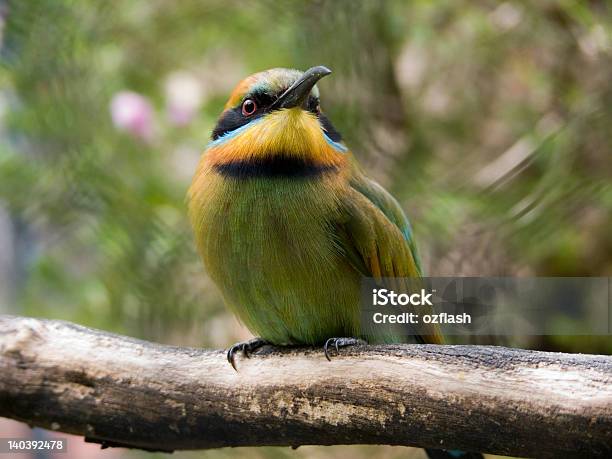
[375, 236]
[388, 205]
[373, 243]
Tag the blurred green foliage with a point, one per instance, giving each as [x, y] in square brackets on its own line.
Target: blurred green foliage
[491, 122]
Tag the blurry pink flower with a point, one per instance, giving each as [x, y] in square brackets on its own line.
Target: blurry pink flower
[184, 97]
[133, 113]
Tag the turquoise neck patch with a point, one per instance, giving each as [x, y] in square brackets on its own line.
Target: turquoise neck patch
[336, 145]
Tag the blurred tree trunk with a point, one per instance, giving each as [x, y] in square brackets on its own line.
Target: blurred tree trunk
[359, 42]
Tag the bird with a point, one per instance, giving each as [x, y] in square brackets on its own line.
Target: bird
[288, 224]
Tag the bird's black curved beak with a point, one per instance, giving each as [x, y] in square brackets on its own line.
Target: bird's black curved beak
[298, 92]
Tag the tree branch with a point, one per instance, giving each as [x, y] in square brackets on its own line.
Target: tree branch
[121, 391]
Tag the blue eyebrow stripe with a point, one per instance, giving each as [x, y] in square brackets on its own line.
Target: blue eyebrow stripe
[230, 135]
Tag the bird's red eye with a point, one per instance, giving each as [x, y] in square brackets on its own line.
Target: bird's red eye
[248, 107]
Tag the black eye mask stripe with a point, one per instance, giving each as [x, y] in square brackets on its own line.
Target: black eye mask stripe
[233, 119]
[329, 128]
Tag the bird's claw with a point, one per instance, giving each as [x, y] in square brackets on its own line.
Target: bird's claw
[246, 347]
[338, 343]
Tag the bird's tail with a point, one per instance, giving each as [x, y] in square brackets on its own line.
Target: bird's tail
[451, 454]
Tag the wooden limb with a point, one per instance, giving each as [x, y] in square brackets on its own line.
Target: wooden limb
[121, 391]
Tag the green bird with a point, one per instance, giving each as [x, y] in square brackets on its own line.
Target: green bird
[288, 225]
[286, 222]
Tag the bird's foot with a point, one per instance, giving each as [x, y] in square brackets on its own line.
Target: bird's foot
[246, 348]
[340, 342]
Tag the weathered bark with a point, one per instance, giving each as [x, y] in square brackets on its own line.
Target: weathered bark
[125, 392]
